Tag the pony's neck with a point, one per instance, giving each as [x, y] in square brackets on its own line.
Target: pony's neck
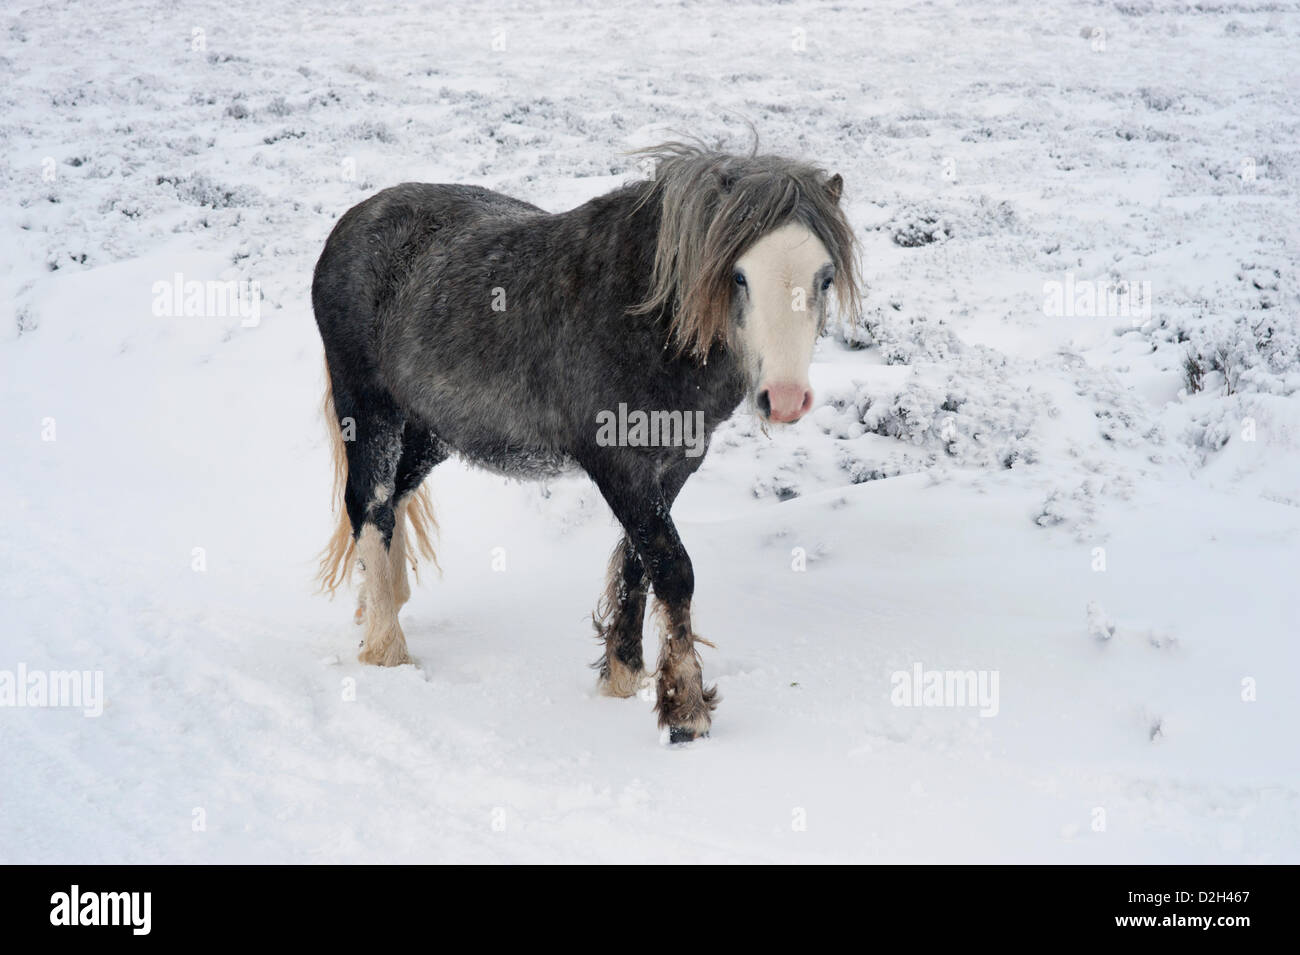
[629, 220]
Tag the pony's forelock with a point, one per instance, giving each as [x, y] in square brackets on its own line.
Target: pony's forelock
[713, 206]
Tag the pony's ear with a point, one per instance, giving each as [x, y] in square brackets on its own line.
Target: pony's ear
[835, 187]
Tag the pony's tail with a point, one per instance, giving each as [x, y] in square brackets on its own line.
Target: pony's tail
[339, 556]
[423, 528]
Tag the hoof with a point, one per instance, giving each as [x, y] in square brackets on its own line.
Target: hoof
[394, 655]
[620, 680]
[686, 723]
[684, 734]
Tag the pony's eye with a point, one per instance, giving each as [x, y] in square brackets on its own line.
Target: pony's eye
[740, 279]
[827, 283]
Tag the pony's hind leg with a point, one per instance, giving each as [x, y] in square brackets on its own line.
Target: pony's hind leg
[398, 558]
[618, 620]
[385, 643]
[372, 459]
[413, 515]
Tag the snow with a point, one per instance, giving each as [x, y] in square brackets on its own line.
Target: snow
[984, 487]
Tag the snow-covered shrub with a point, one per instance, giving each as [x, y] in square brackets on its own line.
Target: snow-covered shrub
[200, 190]
[917, 225]
[925, 223]
[1258, 352]
[970, 418]
[370, 129]
[903, 340]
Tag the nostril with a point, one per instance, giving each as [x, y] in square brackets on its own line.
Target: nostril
[807, 401]
[765, 403]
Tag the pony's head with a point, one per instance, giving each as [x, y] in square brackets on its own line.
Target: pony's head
[749, 249]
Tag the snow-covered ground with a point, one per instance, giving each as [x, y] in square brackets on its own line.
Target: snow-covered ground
[1099, 512]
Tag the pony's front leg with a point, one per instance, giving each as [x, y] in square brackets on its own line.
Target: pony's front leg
[684, 704]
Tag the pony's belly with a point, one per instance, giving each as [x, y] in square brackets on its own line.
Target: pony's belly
[519, 462]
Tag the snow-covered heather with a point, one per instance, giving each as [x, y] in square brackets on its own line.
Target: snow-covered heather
[1099, 511]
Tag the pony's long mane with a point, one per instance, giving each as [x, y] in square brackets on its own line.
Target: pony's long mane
[713, 206]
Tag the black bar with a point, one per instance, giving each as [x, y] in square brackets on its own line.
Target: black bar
[212, 904]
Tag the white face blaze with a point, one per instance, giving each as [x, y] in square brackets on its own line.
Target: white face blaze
[781, 292]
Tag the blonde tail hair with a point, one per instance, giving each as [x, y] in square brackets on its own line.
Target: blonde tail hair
[339, 556]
